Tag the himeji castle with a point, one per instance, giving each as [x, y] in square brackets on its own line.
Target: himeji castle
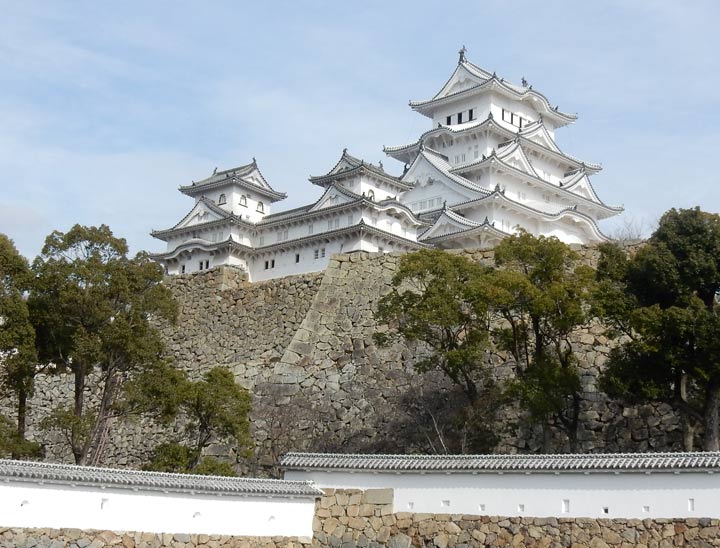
[488, 167]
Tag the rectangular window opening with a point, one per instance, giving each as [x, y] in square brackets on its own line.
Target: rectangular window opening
[272, 263]
[646, 509]
[410, 505]
[471, 116]
[459, 117]
[605, 510]
[445, 503]
[182, 269]
[521, 507]
[267, 265]
[481, 508]
[297, 257]
[207, 265]
[322, 252]
[691, 505]
[566, 506]
[448, 120]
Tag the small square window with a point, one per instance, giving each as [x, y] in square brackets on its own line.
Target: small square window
[605, 510]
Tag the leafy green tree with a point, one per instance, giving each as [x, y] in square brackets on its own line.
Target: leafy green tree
[92, 307]
[664, 299]
[18, 359]
[214, 407]
[438, 298]
[541, 295]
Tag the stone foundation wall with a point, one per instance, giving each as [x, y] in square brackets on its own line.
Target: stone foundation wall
[303, 346]
[351, 518]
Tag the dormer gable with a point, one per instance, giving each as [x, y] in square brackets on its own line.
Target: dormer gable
[334, 196]
[539, 134]
[204, 211]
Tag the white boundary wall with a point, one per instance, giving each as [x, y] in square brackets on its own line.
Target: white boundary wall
[563, 494]
[27, 504]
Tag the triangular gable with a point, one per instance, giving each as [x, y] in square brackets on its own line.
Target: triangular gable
[539, 134]
[255, 177]
[460, 80]
[583, 187]
[424, 171]
[333, 196]
[515, 156]
[448, 223]
[202, 212]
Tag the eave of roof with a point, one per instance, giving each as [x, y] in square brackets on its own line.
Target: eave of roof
[485, 162]
[66, 474]
[491, 83]
[363, 168]
[233, 176]
[490, 123]
[621, 462]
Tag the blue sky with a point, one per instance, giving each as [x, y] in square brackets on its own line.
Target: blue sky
[107, 107]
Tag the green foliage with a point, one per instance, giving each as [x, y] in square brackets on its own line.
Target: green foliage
[217, 407]
[438, 298]
[664, 298]
[91, 306]
[529, 307]
[542, 294]
[212, 408]
[15, 446]
[176, 458]
[18, 358]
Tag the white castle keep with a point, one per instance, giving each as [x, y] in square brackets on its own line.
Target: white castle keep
[488, 166]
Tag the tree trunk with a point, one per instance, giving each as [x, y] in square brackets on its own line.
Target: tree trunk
[21, 419]
[77, 445]
[547, 438]
[574, 423]
[688, 431]
[92, 444]
[712, 419]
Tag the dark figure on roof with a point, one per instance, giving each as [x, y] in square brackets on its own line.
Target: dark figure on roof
[462, 52]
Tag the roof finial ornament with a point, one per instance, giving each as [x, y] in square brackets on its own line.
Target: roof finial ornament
[444, 205]
[254, 160]
[380, 165]
[462, 52]
[345, 150]
[486, 221]
[405, 169]
[524, 82]
[215, 170]
[497, 187]
[490, 115]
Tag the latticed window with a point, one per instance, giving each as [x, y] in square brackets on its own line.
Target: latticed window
[222, 200]
[260, 207]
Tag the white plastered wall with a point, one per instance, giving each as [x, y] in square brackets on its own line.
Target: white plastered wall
[63, 506]
[594, 495]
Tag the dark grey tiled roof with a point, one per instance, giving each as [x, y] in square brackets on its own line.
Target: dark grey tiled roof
[505, 463]
[68, 474]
